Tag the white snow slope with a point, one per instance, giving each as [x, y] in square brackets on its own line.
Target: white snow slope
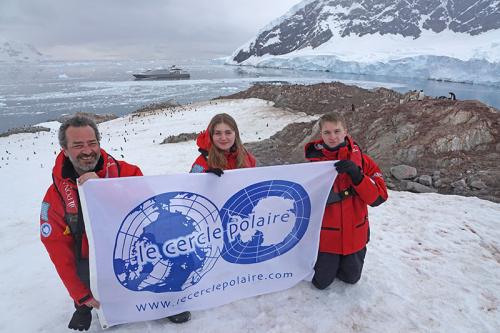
[433, 262]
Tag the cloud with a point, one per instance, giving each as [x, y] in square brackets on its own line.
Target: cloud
[144, 29]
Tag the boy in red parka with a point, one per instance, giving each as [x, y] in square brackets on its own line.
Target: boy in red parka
[345, 230]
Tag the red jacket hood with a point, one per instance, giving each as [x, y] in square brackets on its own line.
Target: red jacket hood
[203, 141]
[315, 150]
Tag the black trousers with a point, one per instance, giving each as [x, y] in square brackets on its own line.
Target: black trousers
[346, 268]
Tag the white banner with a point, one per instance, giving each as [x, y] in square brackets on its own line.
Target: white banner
[161, 245]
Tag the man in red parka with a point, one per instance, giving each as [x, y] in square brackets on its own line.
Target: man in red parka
[61, 221]
[345, 229]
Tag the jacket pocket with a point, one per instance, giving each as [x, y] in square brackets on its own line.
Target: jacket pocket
[365, 220]
[330, 229]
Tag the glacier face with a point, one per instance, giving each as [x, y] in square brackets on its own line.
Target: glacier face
[424, 66]
[456, 40]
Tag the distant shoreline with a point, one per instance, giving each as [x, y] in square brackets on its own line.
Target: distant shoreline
[106, 87]
[159, 105]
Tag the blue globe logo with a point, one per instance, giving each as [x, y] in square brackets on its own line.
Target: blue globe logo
[168, 243]
[264, 220]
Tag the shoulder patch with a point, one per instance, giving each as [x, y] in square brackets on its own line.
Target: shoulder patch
[318, 146]
[44, 213]
[197, 169]
[45, 229]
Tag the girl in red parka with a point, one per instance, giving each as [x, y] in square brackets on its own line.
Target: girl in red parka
[220, 147]
[345, 229]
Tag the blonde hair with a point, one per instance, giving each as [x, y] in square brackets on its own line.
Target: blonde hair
[216, 157]
[332, 117]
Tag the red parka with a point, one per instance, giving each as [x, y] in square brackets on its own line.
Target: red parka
[345, 227]
[201, 164]
[60, 202]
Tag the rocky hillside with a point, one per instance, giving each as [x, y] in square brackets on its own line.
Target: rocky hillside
[313, 23]
[424, 146]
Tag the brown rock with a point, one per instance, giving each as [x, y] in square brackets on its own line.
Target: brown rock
[27, 129]
[180, 138]
[447, 136]
[98, 118]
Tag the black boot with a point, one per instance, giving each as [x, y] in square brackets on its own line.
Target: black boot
[81, 318]
[180, 317]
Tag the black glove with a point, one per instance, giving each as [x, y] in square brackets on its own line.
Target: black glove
[349, 167]
[81, 319]
[215, 171]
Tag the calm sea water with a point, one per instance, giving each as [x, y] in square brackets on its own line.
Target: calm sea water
[33, 93]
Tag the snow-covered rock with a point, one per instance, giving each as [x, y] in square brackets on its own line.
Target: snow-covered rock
[456, 40]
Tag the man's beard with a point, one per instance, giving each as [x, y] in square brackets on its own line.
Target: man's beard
[82, 166]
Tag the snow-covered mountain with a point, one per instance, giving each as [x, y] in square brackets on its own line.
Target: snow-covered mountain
[439, 39]
[13, 51]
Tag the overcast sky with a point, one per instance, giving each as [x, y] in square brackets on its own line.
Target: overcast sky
[90, 29]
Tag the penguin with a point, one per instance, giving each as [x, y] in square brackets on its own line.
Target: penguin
[421, 95]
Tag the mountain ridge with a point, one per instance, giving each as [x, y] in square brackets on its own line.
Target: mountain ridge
[426, 39]
[316, 22]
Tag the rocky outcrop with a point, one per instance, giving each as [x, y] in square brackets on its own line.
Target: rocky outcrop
[156, 106]
[419, 188]
[98, 118]
[454, 144]
[183, 137]
[27, 129]
[321, 98]
[284, 147]
[401, 172]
